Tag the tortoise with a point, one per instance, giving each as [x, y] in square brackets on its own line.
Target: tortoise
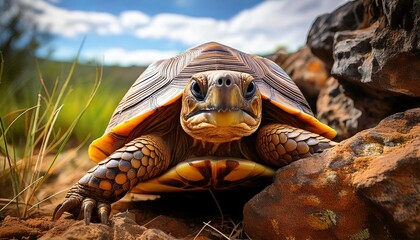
[211, 117]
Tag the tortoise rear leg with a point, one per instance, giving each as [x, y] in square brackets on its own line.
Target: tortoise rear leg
[280, 144]
[143, 158]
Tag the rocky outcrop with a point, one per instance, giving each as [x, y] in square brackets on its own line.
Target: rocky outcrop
[372, 43]
[373, 51]
[367, 187]
[306, 70]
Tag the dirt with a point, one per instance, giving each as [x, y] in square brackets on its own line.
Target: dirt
[175, 215]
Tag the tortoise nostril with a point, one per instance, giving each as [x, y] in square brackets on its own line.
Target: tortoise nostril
[223, 81]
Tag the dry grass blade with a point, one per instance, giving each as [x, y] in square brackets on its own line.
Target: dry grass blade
[41, 79]
[201, 230]
[144, 225]
[218, 207]
[36, 171]
[237, 230]
[25, 167]
[235, 234]
[49, 197]
[13, 200]
[73, 125]
[248, 236]
[24, 111]
[69, 131]
[215, 229]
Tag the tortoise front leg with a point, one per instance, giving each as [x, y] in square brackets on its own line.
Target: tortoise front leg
[280, 144]
[143, 158]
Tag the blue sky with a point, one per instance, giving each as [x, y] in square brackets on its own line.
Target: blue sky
[138, 32]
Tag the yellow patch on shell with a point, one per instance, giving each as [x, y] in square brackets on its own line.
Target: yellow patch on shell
[106, 144]
[312, 124]
[246, 170]
[188, 173]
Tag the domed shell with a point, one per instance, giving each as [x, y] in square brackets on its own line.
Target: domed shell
[163, 82]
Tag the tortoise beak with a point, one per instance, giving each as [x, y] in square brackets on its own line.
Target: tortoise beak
[224, 93]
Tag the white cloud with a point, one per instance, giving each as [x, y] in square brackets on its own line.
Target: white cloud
[132, 19]
[123, 57]
[71, 23]
[256, 30]
[181, 28]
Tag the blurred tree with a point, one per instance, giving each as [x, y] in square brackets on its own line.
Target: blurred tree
[19, 39]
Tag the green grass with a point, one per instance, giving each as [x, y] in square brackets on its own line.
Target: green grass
[22, 93]
[46, 111]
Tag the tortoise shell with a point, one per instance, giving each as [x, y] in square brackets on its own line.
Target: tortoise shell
[163, 82]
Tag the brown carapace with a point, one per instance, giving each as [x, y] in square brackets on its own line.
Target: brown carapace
[209, 118]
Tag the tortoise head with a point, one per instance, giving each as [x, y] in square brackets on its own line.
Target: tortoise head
[221, 106]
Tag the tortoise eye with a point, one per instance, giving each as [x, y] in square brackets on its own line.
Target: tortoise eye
[250, 90]
[197, 91]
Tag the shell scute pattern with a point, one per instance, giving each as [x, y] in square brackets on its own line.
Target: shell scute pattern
[163, 82]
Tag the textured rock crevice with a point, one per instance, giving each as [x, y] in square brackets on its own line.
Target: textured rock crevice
[349, 110]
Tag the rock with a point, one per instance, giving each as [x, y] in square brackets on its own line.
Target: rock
[394, 62]
[124, 226]
[321, 35]
[155, 234]
[374, 44]
[349, 112]
[337, 110]
[348, 109]
[367, 187]
[80, 230]
[306, 70]
[174, 226]
[351, 48]
[373, 50]
[362, 58]
[391, 179]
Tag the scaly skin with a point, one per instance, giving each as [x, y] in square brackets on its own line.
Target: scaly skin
[143, 158]
[280, 144]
